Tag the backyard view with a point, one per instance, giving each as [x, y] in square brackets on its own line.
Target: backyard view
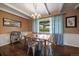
[44, 26]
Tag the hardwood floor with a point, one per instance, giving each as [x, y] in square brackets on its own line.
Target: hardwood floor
[10, 50]
[67, 51]
[19, 50]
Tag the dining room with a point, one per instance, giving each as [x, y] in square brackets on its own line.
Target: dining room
[39, 29]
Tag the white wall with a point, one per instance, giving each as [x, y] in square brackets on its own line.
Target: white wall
[5, 38]
[71, 39]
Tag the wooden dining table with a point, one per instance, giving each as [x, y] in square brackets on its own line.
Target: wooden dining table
[40, 37]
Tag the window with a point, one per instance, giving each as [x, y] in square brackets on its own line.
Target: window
[44, 25]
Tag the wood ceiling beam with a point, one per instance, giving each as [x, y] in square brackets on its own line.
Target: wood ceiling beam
[47, 8]
[76, 6]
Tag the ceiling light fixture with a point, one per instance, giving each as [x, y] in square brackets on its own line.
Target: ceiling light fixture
[36, 15]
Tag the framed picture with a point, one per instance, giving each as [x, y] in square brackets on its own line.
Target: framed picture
[11, 23]
[71, 22]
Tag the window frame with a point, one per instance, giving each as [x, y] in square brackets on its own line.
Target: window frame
[45, 19]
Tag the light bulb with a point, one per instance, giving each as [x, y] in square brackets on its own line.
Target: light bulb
[38, 16]
[35, 14]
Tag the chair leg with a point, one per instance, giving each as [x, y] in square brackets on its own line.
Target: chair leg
[12, 45]
[33, 49]
[0, 54]
[28, 51]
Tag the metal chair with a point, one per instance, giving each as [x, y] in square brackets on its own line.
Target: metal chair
[15, 36]
[16, 40]
[30, 44]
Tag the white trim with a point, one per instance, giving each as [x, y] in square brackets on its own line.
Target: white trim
[12, 12]
[16, 9]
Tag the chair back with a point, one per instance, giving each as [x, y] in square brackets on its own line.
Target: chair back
[15, 36]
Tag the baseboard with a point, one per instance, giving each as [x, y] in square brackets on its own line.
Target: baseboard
[4, 44]
[71, 46]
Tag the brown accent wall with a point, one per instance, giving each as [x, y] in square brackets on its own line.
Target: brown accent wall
[71, 13]
[26, 25]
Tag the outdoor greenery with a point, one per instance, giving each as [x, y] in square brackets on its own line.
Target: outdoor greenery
[44, 26]
[44, 30]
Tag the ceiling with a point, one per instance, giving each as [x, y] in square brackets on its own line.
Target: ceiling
[45, 9]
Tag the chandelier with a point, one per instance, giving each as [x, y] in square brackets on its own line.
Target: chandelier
[36, 15]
